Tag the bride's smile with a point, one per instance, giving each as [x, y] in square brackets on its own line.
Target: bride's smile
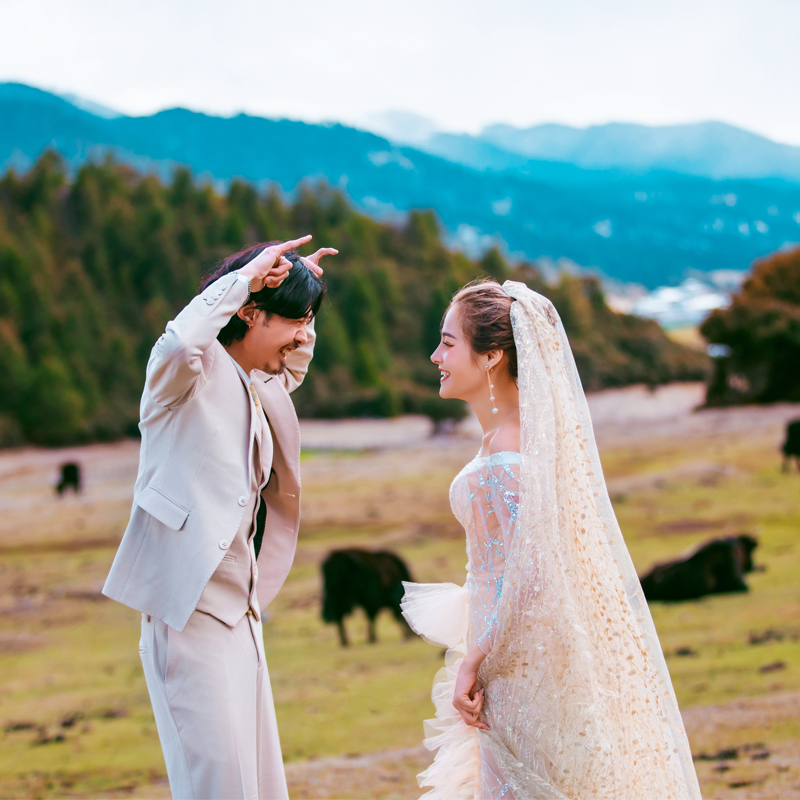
[460, 377]
[482, 379]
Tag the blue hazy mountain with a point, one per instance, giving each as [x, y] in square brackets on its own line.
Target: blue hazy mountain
[647, 226]
[710, 149]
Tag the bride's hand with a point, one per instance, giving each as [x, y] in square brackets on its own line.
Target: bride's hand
[468, 695]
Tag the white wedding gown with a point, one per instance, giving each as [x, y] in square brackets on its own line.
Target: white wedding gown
[578, 697]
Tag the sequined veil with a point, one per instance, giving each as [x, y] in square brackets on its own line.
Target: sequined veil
[578, 695]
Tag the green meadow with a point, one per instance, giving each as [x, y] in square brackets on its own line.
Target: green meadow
[73, 703]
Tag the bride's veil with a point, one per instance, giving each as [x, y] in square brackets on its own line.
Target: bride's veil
[581, 701]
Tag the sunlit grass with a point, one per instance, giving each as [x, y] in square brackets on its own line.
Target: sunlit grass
[82, 661]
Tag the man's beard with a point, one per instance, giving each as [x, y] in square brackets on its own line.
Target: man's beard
[282, 368]
[275, 370]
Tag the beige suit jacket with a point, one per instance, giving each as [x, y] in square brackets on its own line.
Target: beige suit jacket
[194, 467]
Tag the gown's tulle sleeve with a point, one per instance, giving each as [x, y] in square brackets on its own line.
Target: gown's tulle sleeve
[438, 612]
[493, 503]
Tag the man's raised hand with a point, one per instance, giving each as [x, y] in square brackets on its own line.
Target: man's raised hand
[312, 262]
[269, 268]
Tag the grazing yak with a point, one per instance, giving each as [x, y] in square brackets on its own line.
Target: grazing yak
[372, 580]
[70, 478]
[716, 567]
[791, 447]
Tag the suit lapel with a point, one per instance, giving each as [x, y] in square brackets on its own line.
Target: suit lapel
[282, 419]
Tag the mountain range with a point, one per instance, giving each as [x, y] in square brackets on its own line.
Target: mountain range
[645, 205]
[709, 149]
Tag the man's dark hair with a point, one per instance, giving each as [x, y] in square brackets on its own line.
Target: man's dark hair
[298, 297]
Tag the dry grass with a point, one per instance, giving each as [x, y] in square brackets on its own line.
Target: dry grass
[74, 707]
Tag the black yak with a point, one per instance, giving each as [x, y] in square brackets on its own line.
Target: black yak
[70, 479]
[716, 567]
[791, 447]
[372, 580]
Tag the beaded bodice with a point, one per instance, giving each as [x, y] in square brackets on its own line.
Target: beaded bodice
[484, 497]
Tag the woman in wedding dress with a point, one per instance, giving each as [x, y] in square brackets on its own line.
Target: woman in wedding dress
[554, 684]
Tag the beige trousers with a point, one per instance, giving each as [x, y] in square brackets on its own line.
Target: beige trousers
[212, 701]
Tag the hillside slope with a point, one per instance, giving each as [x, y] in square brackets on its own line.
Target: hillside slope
[92, 269]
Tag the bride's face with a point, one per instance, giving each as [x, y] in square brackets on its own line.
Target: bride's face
[461, 376]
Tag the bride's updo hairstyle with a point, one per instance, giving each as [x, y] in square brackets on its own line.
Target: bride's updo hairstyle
[484, 311]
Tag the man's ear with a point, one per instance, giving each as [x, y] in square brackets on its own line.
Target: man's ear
[247, 313]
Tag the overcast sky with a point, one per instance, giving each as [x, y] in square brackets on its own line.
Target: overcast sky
[463, 63]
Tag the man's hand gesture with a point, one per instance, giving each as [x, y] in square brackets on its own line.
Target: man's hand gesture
[269, 268]
[312, 262]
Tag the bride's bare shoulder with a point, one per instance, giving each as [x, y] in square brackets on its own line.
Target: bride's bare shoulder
[505, 438]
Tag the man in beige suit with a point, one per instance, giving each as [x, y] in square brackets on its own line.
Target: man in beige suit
[215, 516]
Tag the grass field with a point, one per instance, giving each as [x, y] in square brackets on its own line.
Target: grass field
[74, 706]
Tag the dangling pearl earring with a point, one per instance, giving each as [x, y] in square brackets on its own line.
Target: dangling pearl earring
[491, 387]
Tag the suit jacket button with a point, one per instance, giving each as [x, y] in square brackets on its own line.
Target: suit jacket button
[242, 501]
[224, 544]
